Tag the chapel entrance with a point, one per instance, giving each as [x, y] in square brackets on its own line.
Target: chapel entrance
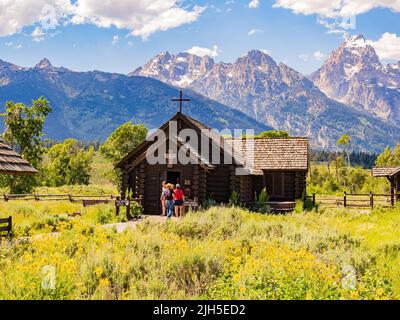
[173, 177]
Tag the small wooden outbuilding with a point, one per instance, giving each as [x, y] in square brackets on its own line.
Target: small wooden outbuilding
[393, 175]
[279, 165]
[12, 163]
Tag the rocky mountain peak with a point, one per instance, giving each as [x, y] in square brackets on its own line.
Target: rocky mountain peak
[257, 58]
[44, 64]
[353, 74]
[356, 41]
[179, 70]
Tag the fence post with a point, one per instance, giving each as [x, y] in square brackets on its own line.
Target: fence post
[36, 197]
[9, 225]
[70, 197]
[117, 206]
[371, 200]
[5, 197]
[345, 199]
[392, 193]
[141, 200]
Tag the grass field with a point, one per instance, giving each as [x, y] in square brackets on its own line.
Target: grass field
[34, 217]
[223, 253]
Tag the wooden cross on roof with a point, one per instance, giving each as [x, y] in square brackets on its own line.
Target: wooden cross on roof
[181, 101]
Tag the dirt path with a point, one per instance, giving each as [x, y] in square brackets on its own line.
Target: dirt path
[121, 227]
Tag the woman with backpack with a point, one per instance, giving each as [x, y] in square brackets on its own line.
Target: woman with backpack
[169, 198]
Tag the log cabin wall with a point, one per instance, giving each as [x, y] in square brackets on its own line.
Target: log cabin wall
[218, 187]
[258, 183]
[132, 183]
[300, 186]
[246, 189]
[290, 185]
[284, 185]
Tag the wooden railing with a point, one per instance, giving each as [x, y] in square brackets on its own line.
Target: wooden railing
[356, 200]
[57, 197]
[5, 231]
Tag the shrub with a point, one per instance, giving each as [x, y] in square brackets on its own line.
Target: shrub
[104, 214]
[260, 202]
[208, 204]
[136, 210]
[234, 200]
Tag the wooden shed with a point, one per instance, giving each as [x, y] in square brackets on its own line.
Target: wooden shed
[393, 175]
[12, 163]
[280, 165]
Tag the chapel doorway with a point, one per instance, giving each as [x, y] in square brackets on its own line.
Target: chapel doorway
[174, 177]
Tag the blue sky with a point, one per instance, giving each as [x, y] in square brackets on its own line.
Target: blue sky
[87, 35]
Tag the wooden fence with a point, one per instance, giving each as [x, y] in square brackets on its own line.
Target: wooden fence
[5, 227]
[58, 197]
[353, 200]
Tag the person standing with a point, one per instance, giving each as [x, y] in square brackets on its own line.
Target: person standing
[179, 199]
[163, 200]
[169, 198]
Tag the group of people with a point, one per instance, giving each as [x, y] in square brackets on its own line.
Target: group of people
[172, 200]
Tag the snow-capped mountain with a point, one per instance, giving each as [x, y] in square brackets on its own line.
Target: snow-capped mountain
[273, 94]
[178, 70]
[354, 75]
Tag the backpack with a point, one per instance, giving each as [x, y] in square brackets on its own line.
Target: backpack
[168, 194]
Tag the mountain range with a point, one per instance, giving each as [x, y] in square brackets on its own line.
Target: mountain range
[90, 105]
[353, 93]
[323, 106]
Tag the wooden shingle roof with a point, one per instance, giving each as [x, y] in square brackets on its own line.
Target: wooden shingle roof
[385, 171]
[276, 154]
[12, 163]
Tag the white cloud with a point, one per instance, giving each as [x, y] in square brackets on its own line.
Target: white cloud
[254, 4]
[345, 34]
[201, 52]
[338, 16]
[141, 17]
[387, 47]
[13, 45]
[318, 55]
[115, 39]
[15, 15]
[38, 34]
[304, 57]
[336, 8]
[253, 32]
